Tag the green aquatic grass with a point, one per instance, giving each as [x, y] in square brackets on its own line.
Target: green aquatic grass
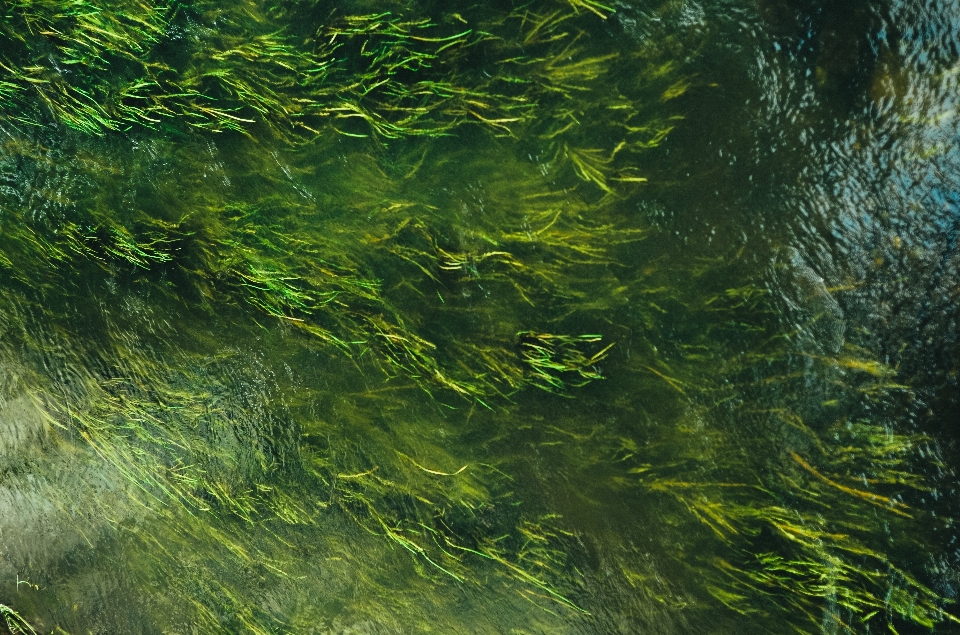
[234, 250]
[796, 538]
[297, 294]
[15, 623]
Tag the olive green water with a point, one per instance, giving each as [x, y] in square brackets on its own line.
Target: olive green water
[548, 317]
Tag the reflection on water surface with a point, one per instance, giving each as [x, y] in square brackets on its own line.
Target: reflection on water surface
[552, 317]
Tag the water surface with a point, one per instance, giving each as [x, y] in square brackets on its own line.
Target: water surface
[353, 317]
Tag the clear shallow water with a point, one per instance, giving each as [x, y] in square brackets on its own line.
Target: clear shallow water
[771, 447]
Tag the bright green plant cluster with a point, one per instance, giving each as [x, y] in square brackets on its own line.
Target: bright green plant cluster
[275, 253]
[15, 624]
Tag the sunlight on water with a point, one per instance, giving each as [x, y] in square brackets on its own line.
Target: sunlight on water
[558, 317]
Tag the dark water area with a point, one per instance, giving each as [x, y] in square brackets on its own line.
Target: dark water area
[550, 317]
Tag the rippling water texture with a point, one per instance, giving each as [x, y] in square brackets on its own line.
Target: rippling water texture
[386, 317]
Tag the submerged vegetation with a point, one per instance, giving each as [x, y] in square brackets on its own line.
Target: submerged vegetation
[15, 624]
[300, 299]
